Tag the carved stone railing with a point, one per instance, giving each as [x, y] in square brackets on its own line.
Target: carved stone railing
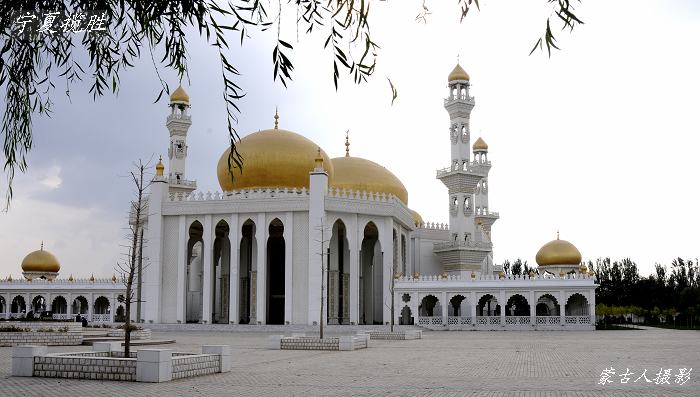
[62, 281]
[472, 168]
[462, 243]
[182, 182]
[459, 320]
[360, 195]
[239, 194]
[574, 320]
[493, 278]
[62, 316]
[429, 320]
[434, 226]
[517, 320]
[102, 318]
[547, 320]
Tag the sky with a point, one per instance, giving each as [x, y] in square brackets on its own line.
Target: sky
[599, 141]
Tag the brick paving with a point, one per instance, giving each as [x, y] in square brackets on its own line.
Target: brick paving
[546, 363]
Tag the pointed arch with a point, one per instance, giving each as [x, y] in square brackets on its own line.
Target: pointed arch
[222, 269]
[247, 263]
[371, 276]
[194, 271]
[338, 308]
[275, 272]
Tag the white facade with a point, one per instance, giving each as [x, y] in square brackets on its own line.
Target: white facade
[254, 256]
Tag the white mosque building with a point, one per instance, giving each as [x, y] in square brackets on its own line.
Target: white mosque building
[254, 253]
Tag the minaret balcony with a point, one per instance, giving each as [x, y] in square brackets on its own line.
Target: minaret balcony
[174, 182]
[467, 100]
[179, 117]
[462, 254]
[475, 168]
[486, 218]
[468, 243]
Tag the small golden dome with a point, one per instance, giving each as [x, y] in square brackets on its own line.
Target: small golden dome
[9, 277]
[92, 277]
[70, 278]
[417, 219]
[480, 144]
[114, 278]
[179, 95]
[41, 261]
[582, 269]
[457, 74]
[416, 275]
[558, 252]
[272, 159]
[355, 173]
[501, 275]
[561, 273]
[473, 276]
[160, 167]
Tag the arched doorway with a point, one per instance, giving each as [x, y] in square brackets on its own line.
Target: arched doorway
[38, 305]
[80, 305]
[3, 305]
[193, 297]
[247, 265]
[547, 305]
[456, 306]
[371, 275]
[59, 305]
[517, 305]
[406, 316]
[275, 273]
[488, 306]
[18, 305]
[576, 305]
[338, 276]
[222, 270]
[101, 305]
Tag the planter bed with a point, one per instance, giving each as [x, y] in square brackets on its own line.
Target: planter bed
[41, 338]
[136, 334]
[299, 342]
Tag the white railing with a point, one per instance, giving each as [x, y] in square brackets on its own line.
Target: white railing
[578, 320]
[459, 320]
[429, 320]
[472, 168]
[182, 182]
[102, 318]
[360, 195]
[462, 243]
[61, 316]
[434, 226]
[239, 194]
[547, 320]
[517, 320]
[490, 277]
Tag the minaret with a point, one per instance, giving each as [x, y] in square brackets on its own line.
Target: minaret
[178, 123]
[469, 245]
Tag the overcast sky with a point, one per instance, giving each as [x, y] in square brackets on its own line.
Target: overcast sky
[599, 142]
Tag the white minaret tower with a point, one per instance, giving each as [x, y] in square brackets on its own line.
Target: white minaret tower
[469, 248]
[178, 123]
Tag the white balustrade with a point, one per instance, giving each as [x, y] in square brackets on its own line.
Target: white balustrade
[429, 320]
[102, 318]
[459, 320]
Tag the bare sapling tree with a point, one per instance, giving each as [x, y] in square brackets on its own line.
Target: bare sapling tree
[392, 304]
[134, 257]
[323, 255]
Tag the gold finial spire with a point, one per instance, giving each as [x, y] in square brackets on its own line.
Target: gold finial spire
[347, 143]
[557, 234]
[277, 118]
[318, 160]
[160, 167]
[42, 245]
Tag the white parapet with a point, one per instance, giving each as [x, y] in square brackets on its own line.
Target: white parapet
[154, 365]
[224, 351]
[23, 359]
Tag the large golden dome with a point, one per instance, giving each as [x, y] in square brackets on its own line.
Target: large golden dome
[558, 252]
[458, 74]
[272, 159]
[41, 261]
[355, 173]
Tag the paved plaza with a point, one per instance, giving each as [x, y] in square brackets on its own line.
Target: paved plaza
[442, 364]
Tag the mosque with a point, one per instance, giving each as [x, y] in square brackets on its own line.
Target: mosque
[296, 231]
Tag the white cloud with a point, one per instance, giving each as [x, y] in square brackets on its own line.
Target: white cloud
[52, 179]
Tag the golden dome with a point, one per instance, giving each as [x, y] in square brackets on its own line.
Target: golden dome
[355, 173]
[160, 167]
[480, 144]
[179, 95]
[273, 159]
[458, 74]
[41, 261]
[417, 219]
[558, 252]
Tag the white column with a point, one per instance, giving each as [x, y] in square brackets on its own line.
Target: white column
[473, 303]
[533, 307]
[234, 259]
[207, 249]
[387, 267]
[112, 308]
[151, 286]
[91, 303]
[562, 308]
[444, 302]
[261, 290]
[288, 265]
[69, 309]
[318, 187]
[354, 239]
[502, 300]
[181, 267]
